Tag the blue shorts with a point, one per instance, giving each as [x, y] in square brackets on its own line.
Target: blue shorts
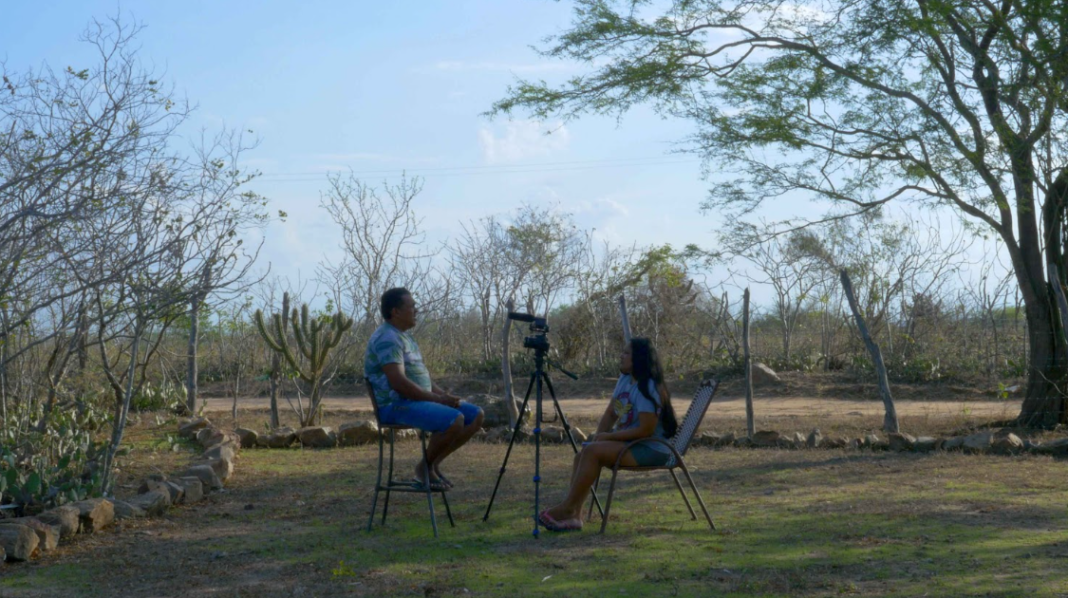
[426, 415]
[647, 456]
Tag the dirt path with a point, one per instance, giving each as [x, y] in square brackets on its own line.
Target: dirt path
[726, 407]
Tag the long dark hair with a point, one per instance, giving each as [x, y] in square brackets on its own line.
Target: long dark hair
[645, 367]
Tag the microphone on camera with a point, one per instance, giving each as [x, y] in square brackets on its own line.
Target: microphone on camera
[520, 317]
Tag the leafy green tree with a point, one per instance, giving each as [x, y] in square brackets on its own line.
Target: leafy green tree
[957, 103]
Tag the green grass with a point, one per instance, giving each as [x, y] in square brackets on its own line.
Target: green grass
[808, 523]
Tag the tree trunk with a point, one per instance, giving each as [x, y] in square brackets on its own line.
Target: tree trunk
[890, 418]
[191, 354]
[506, 370]
[623, 316]
[750, 425]
[122, 411]
[1044, 404]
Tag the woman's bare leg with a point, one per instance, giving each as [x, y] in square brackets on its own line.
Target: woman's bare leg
[588, 464]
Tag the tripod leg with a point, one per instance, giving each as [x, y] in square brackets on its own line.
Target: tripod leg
[508, 453]
[574, 445]
[538, 373]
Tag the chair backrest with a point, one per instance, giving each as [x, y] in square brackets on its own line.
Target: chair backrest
[371, 395]
[688, 426]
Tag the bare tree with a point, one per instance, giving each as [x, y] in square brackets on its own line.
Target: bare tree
[221, 267]
[382, 242]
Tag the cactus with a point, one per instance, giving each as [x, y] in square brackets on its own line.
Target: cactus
[315, 338]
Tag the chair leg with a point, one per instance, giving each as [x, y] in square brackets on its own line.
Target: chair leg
[426, 482]
[389, 481]
[697, 493]
[445, 499]
[608, 505]
[593, 491]
[378, 485]
[683, 493]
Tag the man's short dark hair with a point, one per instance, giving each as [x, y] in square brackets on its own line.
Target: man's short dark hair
[391, 299]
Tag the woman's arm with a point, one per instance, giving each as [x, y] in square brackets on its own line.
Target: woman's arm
[607, 419]
[645, 428]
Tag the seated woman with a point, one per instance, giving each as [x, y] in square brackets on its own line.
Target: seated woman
[637, 411]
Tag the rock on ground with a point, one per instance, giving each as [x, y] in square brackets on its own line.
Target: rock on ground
[66, 518]
[47, 535]
[94, 514]
[317, 437]
[19, 542]
[248, 438]
[126, 510]
[354, 433]
[153, 502]
[205, 474]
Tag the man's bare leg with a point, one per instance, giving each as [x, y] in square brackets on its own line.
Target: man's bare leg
[439, 442]
[461, 439]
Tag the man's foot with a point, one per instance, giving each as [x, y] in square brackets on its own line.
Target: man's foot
[440, 476]
[420, 474]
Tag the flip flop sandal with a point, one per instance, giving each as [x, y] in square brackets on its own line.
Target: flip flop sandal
[554, 525]
[445, 480]
[435, 485]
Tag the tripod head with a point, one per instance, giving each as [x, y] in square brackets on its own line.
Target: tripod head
[539, 341]
[540, 327]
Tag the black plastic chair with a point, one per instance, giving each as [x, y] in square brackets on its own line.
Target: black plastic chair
[392, 485]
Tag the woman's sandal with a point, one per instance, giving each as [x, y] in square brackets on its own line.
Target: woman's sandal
[554, 525]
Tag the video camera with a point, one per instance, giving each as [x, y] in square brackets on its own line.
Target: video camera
[539, 326]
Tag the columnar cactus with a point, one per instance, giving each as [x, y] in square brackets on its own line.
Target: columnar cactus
[315, 339]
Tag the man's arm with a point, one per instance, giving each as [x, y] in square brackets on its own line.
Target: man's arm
[410, 390]
[441, 391]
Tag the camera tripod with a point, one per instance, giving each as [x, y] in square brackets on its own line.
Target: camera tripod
[537, 378]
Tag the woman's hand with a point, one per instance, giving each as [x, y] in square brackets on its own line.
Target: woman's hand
[597, 437]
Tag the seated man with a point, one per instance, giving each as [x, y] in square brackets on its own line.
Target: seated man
[404, 393]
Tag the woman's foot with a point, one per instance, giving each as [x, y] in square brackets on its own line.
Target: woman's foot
[561, 513]
[559, 525]
[420, 474]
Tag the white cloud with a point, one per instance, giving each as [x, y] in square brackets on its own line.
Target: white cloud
[522, 139]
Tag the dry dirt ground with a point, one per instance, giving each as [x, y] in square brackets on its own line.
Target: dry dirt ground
[833, 402]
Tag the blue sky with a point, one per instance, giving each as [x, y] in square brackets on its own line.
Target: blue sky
[381, 87]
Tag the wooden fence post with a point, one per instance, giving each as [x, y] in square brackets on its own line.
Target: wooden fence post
[749, 425]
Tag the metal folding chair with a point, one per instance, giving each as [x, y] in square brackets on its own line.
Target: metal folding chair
[678, 444]
[392, 485]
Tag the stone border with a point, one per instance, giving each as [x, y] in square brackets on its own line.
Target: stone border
[999, 442]
[25, 538]
[367, 432]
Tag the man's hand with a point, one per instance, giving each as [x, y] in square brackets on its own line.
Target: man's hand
[449, 400]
